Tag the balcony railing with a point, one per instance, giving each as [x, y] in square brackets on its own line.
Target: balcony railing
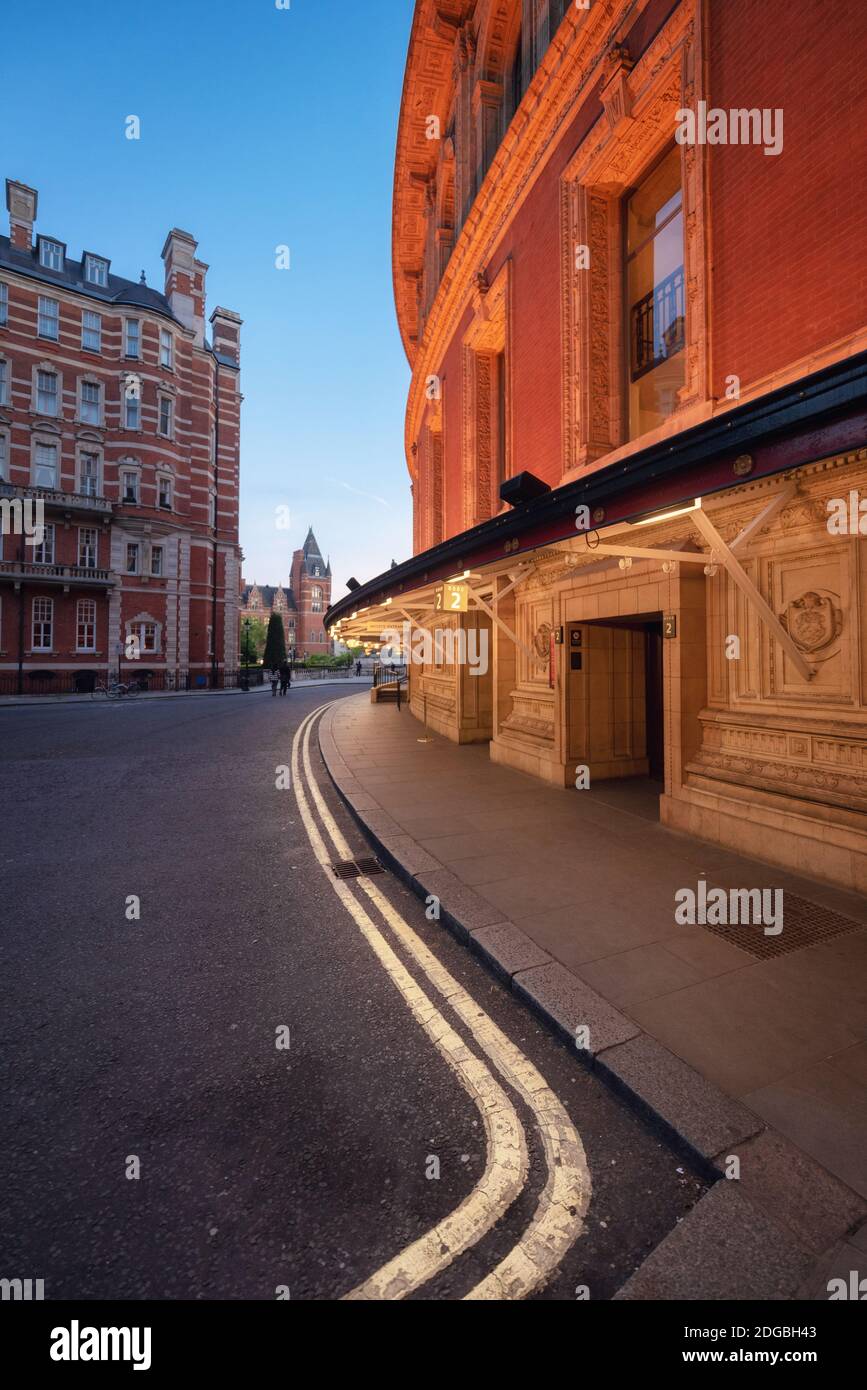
[55, 574]
[657, 325]
[51, 497]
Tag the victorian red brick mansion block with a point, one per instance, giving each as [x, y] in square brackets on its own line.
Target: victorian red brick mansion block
[122, 419]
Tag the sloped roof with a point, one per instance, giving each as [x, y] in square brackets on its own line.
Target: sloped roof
[118, 290]
[267, 593]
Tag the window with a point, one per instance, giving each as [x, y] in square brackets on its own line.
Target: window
[316, 600]
[655, 296]
[166, 413]
[146, 633]
[131, 410]
[157, 561]
[132, 557]
[87, 547]
[90, 403]
[43, 621]
[129, 486]
[4, 457]
[4, 302]
[85, 624]
[46, 393]
[49, 318]
[132, 337]
[164, 490]
[91, 331]
[46, 466]
[4, 381]
[166, 348]
[51, 254]
[96, 270]
[89, 468]
[43, 553]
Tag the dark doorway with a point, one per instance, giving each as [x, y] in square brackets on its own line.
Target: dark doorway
[654, 696]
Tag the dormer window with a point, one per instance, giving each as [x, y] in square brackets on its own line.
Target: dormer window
[96, 271]
[51, 253]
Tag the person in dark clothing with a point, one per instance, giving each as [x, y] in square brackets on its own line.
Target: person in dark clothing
[358, 668]
[285, 677]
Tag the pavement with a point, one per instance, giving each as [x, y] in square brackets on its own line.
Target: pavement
[756, 1066]
[229, 1073]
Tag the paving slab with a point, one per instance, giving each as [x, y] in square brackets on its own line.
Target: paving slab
[508, 949]
[697, 1111]
[560, 996]
[796, 1191]
[725, 1248]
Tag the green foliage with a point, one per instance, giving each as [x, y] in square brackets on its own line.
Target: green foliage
[275, 644]
[252, 641]
[324, 659]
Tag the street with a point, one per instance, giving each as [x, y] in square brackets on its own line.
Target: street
[258, 1080]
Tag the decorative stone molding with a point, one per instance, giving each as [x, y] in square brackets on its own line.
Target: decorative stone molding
[641, 102]
[483, 343]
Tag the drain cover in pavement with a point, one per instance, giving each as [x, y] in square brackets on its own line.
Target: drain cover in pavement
[357, 868]
[804, 924]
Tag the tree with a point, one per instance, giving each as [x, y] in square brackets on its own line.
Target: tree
[275, 643]
[252, 641]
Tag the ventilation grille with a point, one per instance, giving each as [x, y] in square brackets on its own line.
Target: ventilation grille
[357, 868]
[804, 924]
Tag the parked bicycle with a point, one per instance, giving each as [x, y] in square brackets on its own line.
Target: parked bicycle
[116, 690]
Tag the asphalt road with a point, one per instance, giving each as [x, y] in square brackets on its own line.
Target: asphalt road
[154, 1039]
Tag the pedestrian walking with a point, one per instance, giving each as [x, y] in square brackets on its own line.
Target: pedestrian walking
[285, 677]
[358, 668]
[275, 681]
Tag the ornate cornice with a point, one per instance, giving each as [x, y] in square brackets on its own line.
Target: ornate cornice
[573, 64]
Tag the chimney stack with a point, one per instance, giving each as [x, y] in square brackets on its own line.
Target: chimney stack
[21, 202]
[185, 281]
[226, 333]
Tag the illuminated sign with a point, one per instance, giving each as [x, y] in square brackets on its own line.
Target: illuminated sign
[451, 598]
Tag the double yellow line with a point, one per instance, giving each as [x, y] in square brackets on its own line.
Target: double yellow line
[558, 1219]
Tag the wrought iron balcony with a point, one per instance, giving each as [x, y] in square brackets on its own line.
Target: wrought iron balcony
[658, 324]
[31, 571]
[61, 501]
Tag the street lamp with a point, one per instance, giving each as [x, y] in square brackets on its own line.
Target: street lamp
[247, 654]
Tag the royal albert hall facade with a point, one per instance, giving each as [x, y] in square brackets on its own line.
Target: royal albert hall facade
[637, 424]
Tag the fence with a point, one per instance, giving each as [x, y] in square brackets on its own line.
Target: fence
[47, 682]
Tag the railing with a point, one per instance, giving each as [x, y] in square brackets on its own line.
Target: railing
[72, 501]
[385, 674]
[45, 681]
[658, 325]
[60, 574]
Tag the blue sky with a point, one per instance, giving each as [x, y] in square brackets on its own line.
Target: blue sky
[259, 127]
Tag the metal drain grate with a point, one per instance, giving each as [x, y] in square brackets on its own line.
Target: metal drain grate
[805, 923]
[357, 868]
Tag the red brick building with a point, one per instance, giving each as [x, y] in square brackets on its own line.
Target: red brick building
[302, 605]
[123, 420]
[629, 254]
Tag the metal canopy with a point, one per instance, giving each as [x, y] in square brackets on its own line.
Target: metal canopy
[368, 625]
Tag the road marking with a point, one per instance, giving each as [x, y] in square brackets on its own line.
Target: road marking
[507, 1164]
[558, 1220]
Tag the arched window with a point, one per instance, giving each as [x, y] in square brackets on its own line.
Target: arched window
[316, 600]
